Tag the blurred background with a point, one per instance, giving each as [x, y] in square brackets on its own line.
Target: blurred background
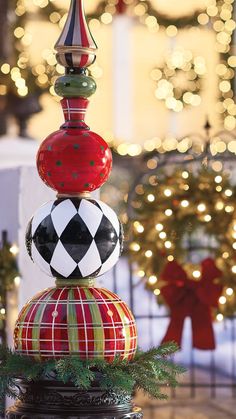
[165, 103]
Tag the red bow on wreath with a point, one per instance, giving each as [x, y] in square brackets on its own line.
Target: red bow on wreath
[194, 299]
[120, 6]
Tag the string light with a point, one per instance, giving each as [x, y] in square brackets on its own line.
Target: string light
[152, 279]
[219, 205]
[135, 247]
[14, 249]
[228, 192]
[196, 274]
[141, 273]
[185, 203]
[225, 255]
[162, 235]
[5, 68]
[148, 253]
[225, 25]
[151, 198]
[139, 227]
[201, 207]
[229, 208]
[152, 164]
[22, 76]
[221, 14]
[219, 317]
[178, 64]
[168, 212]
[229, 291]
[159, 227]
[167, 192]
[185, 175]
[218, 179]
[222, 300]
[124, 149]
[17, 281]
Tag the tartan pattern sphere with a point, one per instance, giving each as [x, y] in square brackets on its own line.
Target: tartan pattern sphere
[82, 321]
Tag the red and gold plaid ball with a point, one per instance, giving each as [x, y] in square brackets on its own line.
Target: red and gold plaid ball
[84, 321]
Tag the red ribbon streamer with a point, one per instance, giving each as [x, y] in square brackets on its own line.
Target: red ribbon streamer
[120, 7]
[194, 299]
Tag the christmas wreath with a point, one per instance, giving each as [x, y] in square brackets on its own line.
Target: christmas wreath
[184, 235]
[179, 80]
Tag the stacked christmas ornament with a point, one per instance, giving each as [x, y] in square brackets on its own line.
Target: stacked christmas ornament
[76, 237]
[75, 344]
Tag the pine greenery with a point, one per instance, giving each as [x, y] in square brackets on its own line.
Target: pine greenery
[148, 371]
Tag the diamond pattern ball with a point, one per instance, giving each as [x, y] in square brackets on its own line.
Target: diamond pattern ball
[74, 238]
[84, 321]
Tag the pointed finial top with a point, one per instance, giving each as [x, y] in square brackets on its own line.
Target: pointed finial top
[76, 47]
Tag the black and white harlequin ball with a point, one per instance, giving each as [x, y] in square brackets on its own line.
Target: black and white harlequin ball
[74, 238]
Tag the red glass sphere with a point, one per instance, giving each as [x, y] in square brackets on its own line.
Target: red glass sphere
[84, 321]
[74, 160]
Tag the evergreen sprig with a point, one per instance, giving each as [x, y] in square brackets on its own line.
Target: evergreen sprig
[148, 371]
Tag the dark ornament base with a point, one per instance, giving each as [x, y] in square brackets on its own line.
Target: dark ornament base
[55, 400]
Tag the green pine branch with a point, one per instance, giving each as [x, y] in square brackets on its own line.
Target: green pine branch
[148, 371]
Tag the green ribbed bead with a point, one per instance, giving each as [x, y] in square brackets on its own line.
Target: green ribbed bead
[75, 85]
